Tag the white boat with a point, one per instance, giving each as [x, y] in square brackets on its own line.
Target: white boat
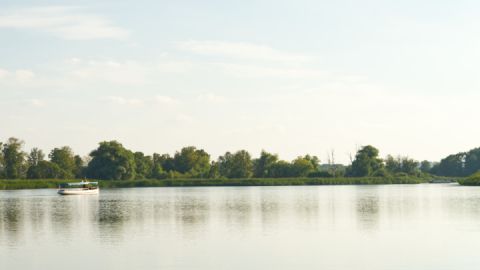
[80, 188]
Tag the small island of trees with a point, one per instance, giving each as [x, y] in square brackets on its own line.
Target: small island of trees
[191, 166]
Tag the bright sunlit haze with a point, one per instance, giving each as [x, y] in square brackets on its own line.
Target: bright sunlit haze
[289, 77]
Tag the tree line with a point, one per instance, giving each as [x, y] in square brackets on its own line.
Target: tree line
[461, 164]
[112, 161]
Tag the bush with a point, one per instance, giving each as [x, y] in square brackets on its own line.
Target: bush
[324, 174]
[180, 182]
[382, 172]
[472, 180]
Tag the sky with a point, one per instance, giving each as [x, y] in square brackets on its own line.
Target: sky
[289, 77]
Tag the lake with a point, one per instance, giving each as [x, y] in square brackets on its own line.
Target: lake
[426, 226]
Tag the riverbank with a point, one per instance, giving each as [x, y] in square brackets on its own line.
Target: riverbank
[51, 183]
[472, 180]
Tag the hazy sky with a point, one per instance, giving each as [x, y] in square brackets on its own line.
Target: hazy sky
[290, 77]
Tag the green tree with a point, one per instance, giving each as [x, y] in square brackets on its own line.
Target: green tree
[382, 172]
[157, 166]
[111, 161]
[236, 165]
[281, 169]
[2, 161]
[143, 165]
[410, 166]
[14, 159]
[214, 170]
[472, 162]
[263, 165]
[460, 164]
[425, 166]
[314, 160]
[80, 168]
[46, 170]
[192, 161]
[302, 166]
[36, 155]
[165, 161]
[366, 162]
[393, 165]
[452, 165]
[65, 159]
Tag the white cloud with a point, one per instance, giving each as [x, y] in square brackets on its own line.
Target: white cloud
[122, 72]
[124, 101]
[166, 100]
[110, 71]
[174, 66]
[37, 102]
[16, 76]
[4, 73]
[239, 50]
[212, 98]
[184, 118]
[256, 71]
[149, 101]
[251, 130]
[24, 75]
[65, 22]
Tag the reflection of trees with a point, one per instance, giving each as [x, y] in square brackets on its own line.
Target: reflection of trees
[307, 206]
[270, 208]
[11, 219]
[113, 212]
[191, 211]
[162, 211]
[61, 214]
[111, 216]
[461, 202]
[237, 210]
[367, 206]
[36, 213]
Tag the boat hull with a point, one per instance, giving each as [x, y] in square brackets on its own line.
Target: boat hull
[78, 191]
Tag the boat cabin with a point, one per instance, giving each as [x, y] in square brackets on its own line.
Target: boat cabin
[78, 188]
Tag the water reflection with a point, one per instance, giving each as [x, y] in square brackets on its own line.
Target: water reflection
[367, 206]
[269, 208]
[162, 211]
[62, 210]
[113, 213]
[460, 203]
[307, 207]
[37, 212]
[236, 208]
[110, 217]
[192, 222]
[191, 212]
[11, 212]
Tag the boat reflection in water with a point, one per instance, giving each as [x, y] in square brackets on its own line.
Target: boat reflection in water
[80, 188]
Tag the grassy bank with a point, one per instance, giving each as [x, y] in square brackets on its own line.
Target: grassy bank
[468, 182]
[29, 184]
[473, 180]
[49, 183]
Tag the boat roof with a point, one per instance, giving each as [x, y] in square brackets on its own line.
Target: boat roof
[82, 183]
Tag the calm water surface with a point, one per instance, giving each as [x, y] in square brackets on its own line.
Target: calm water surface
[434, 226]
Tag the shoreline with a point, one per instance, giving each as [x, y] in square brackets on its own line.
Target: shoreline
[53, 183]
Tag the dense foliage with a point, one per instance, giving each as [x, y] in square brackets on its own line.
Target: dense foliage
[472, 180]
[112, 161]
[461, 164]
[366, 162]
[52, 183]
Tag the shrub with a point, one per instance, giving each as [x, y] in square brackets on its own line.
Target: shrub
[324, 174]
[472, 180]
